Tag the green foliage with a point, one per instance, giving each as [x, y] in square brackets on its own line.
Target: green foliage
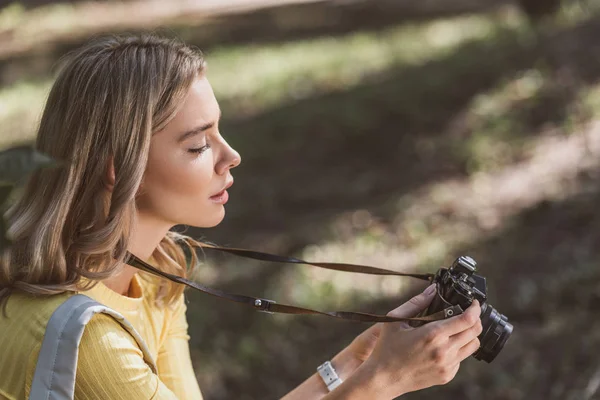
[16, 164]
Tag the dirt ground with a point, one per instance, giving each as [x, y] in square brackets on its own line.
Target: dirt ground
[378, 173]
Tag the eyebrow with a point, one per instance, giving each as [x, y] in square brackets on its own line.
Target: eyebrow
[197, 130]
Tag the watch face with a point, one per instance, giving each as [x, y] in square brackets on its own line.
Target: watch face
[329, 376]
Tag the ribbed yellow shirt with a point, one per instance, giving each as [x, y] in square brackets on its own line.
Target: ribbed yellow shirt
[110, 365]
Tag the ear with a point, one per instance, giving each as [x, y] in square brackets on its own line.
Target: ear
[109, 177]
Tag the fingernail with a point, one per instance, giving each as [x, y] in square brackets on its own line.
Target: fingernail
[430, 290]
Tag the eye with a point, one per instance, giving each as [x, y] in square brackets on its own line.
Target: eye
[200, 150]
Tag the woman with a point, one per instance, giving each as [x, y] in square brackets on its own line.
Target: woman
[137, 124]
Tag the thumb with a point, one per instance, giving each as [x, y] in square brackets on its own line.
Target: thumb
[415, 305]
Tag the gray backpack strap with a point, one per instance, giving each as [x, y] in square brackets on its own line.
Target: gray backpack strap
[54, 376]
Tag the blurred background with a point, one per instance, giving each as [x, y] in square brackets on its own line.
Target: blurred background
[395, 133]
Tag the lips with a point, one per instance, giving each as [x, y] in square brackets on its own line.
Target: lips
[222, 196]
[227, 186]
[218, 194]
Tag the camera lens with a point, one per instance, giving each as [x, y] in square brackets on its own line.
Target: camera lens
[496, 331]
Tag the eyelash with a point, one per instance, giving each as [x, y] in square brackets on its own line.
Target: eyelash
[200, 150]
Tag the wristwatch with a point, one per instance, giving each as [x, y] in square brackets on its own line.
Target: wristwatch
[329, 376]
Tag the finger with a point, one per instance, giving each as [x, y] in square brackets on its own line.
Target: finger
[462, 322]
[464, 337]
[415, 305]
[468, 349]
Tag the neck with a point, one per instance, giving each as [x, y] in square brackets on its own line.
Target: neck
[147, 234]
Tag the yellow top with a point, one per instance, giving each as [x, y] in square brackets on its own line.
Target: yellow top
[110, 365]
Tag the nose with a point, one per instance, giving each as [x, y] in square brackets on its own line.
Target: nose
[229, 159]
[236, 159]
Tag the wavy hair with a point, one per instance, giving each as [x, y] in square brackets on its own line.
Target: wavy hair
[108, 99]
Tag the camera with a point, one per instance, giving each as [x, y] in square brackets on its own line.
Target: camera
[459, 285]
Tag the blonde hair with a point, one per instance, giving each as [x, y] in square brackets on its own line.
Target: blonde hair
[110, 96]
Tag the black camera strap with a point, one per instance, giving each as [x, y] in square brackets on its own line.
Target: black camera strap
[270, 306]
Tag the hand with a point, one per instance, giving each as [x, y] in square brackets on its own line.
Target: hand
[360, 349]
[406, 359]
[362, 346]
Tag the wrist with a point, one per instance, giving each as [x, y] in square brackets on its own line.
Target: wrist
[315, 388]
[345, 363]
[363, 384]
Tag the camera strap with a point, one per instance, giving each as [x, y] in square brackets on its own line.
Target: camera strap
[270, 306]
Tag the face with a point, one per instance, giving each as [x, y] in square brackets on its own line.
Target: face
[189, 165]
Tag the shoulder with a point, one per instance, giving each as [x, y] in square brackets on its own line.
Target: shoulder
[105, 334]
[22, 329]
[105, 342]
[25, 317]
[108, 353]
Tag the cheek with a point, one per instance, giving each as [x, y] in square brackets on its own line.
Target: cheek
[182, 175]
[190, 178]
[177, 186]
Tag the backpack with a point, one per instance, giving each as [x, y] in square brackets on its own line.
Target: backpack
[54, 376]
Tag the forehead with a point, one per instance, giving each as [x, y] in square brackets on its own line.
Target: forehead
[199, 107]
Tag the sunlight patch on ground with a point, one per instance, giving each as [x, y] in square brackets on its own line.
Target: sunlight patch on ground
[268, 75]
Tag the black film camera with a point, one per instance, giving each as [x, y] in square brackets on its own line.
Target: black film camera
[459, 285]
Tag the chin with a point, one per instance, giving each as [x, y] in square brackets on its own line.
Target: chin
[209, 221]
